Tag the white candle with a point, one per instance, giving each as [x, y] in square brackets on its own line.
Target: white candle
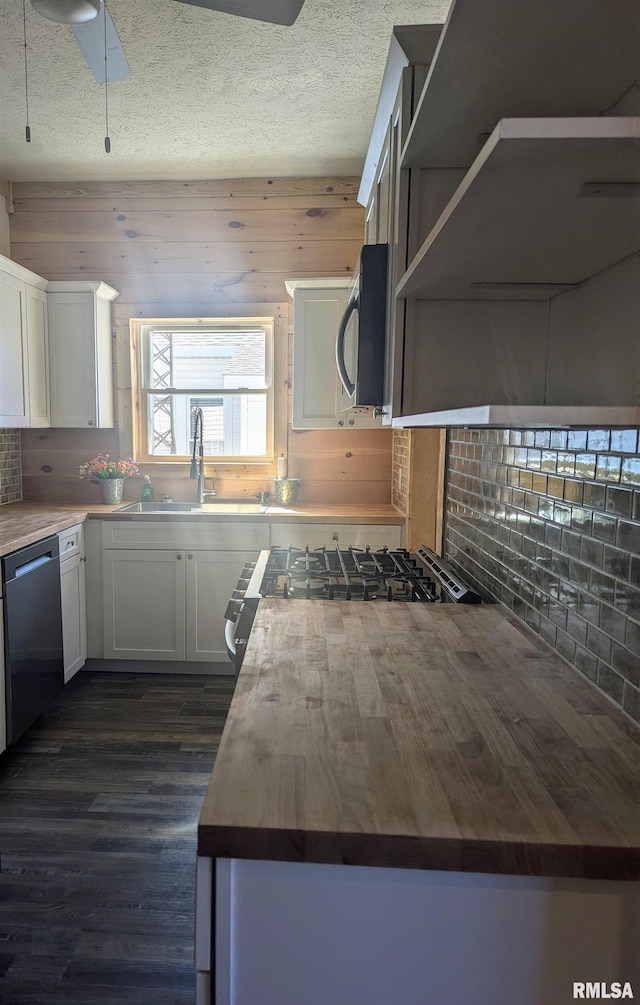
[282, 466]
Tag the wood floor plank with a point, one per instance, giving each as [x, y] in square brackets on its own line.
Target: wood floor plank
[99, 803]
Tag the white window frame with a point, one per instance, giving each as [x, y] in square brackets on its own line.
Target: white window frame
[145, 391]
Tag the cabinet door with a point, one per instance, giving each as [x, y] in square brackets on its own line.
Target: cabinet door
[81, 363]
[72, 354]
[38, 355]
[316, 316]
[211, 578]
[144, 604]
[14, 376]
[74, 620]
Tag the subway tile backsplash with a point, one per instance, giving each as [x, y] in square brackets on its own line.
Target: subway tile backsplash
[547, 522]
[10, 467]
[399, 469]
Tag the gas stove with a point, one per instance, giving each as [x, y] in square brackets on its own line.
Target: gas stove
[338, 573]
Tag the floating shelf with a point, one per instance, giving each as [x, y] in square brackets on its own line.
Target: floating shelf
[545, 416]
[528, 220]
[498, 59]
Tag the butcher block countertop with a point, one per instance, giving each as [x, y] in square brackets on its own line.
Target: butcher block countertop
[24, 523]
[420, 736]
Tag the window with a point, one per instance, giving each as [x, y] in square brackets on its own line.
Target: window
[224, 367]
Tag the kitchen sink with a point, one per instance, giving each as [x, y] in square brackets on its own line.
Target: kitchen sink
[223, 506]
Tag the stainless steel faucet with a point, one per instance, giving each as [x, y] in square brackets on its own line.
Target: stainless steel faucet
[197, 458]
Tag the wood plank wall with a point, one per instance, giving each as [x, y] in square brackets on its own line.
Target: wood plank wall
[200, 249]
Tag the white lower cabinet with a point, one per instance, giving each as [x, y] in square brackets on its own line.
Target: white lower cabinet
[305, 933]
[73, 597]
[316, 535]
[144, 599]
[211, 578]
[168, 604]
[163, 588]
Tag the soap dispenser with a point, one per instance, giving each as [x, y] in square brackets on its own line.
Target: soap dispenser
[147, 490]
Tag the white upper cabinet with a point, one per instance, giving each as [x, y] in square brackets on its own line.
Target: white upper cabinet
[24, 383]
[318, 306]
[80, 354]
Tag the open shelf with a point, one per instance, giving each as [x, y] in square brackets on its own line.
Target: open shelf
[502, 58]
[562, 416]
[547, 204]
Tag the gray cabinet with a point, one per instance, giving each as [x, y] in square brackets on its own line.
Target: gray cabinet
[522, 168]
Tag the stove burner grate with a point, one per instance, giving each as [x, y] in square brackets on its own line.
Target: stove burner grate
[337, 573]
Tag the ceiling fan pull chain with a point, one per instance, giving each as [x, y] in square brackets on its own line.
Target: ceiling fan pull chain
[107, 141]
[27, 128]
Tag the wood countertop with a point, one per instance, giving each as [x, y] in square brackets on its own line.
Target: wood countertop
[420, 736]
[24, 523]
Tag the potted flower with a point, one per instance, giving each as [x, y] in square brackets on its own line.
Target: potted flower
[109, 475]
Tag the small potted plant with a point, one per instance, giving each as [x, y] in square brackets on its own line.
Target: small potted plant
[109, 475]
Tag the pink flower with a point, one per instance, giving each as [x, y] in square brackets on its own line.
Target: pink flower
[103, 467]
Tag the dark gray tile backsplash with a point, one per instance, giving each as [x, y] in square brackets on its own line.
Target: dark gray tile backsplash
[10, 467]
[547, 522]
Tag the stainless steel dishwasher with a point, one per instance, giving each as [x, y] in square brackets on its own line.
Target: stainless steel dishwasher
[34, 672]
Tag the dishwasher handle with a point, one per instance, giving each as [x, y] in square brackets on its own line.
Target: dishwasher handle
[26, 560]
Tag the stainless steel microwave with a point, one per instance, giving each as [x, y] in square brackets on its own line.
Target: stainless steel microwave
[361, 332]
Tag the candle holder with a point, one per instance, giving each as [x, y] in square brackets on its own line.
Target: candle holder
[286, 490]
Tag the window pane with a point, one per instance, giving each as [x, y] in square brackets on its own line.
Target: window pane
[208, 359]
[234, 424]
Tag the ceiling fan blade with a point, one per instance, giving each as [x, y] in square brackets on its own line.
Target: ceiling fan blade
[90, 38]
[271, 11]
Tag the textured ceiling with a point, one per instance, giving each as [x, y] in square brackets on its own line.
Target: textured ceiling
[210, 95]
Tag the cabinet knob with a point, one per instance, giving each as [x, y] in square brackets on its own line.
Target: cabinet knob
[179, 557]
[90, 422]
[189, 556]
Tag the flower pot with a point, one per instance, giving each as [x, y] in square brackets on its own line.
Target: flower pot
[111, 490]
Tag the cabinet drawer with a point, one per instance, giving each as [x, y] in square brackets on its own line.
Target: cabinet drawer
[71, 542]
[316, 535]
[199, 533]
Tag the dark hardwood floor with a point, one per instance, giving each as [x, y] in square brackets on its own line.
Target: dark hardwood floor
[99, 803]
